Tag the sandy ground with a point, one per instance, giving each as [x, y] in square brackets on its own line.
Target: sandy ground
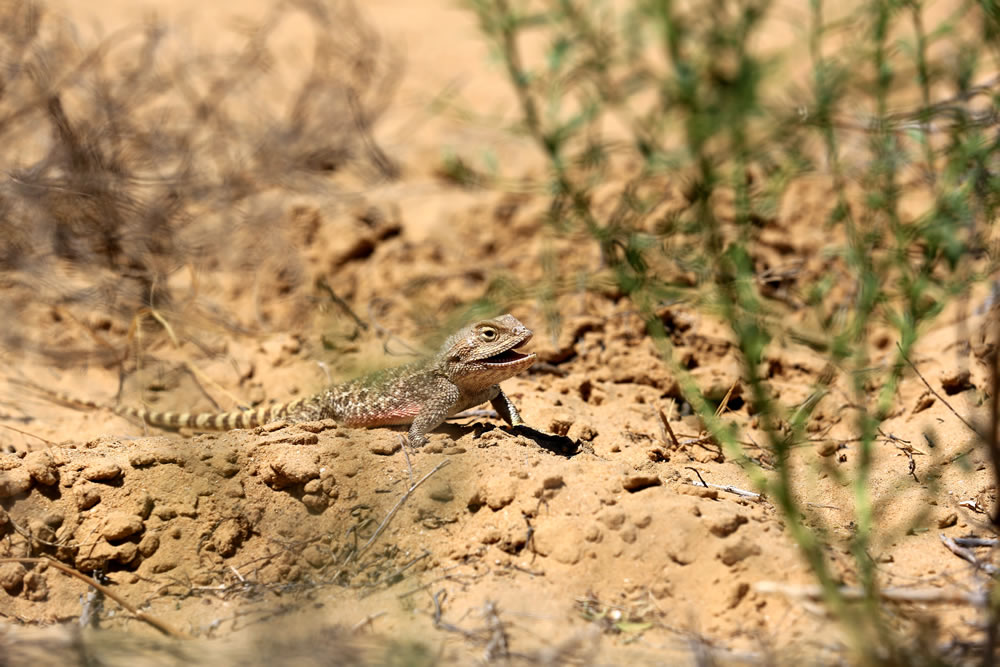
[599, 545]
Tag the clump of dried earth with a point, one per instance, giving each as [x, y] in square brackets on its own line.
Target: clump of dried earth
[590, 536]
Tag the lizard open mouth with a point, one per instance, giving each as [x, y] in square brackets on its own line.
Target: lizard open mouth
[507, 357]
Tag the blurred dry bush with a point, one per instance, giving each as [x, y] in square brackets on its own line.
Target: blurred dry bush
[135, 166]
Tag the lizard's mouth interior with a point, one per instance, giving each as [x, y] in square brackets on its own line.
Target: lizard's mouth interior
[507, 357]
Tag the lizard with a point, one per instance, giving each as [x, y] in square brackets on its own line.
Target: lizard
[465, 372]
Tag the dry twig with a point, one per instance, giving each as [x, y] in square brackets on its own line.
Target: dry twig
[385, 522]
[967, 555]
[160, 625]
[929, 595]
[724, 487]
[30, 435]
[937, 395]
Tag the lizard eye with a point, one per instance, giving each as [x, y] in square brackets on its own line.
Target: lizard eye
[488, 334]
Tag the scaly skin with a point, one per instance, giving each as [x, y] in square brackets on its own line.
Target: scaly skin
[464, 373]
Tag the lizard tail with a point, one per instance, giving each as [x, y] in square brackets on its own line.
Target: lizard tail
[211, 421]
[205, 421]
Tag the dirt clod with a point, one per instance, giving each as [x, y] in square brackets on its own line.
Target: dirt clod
[119, 525]
[229, 535]
[102, 471]
[731, 554]
[14, 482]
[36, 587]
[638, 482]
[42, 468]
[956, 381]
[12, 577]
[289, 466]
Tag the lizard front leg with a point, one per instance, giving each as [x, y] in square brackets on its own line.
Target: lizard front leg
[442, 396]
[505, 408]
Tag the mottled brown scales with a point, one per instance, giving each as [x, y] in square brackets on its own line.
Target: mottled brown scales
[464, 373]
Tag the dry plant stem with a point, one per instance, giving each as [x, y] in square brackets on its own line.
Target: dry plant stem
[993, 441]
[731, 489]
[367, 621]
[724, 487]
[850, 593]
[27, 534]
[976, 541]
[938, 396]
[498, 645]
[670, 431]
[343, 305]
[194, 370]
[736, 490]
[407, 566]
[388, 335]
[448, 627]
[30, 435]
[966, 555]
[723, 406]
[695, 471]
[409, 466]
[162, 626]
[389, 170]
[385, 522]
[913, 119]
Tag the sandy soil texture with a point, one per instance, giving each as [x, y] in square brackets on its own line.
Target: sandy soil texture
[609, 532]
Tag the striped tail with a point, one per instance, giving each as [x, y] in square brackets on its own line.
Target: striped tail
[212, 421]
[205, 421]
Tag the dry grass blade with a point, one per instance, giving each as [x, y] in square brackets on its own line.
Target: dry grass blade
[402, 500]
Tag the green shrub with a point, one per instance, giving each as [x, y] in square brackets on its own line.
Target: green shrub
[878, 100]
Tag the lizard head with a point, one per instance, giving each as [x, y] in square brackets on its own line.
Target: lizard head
[485, 353]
